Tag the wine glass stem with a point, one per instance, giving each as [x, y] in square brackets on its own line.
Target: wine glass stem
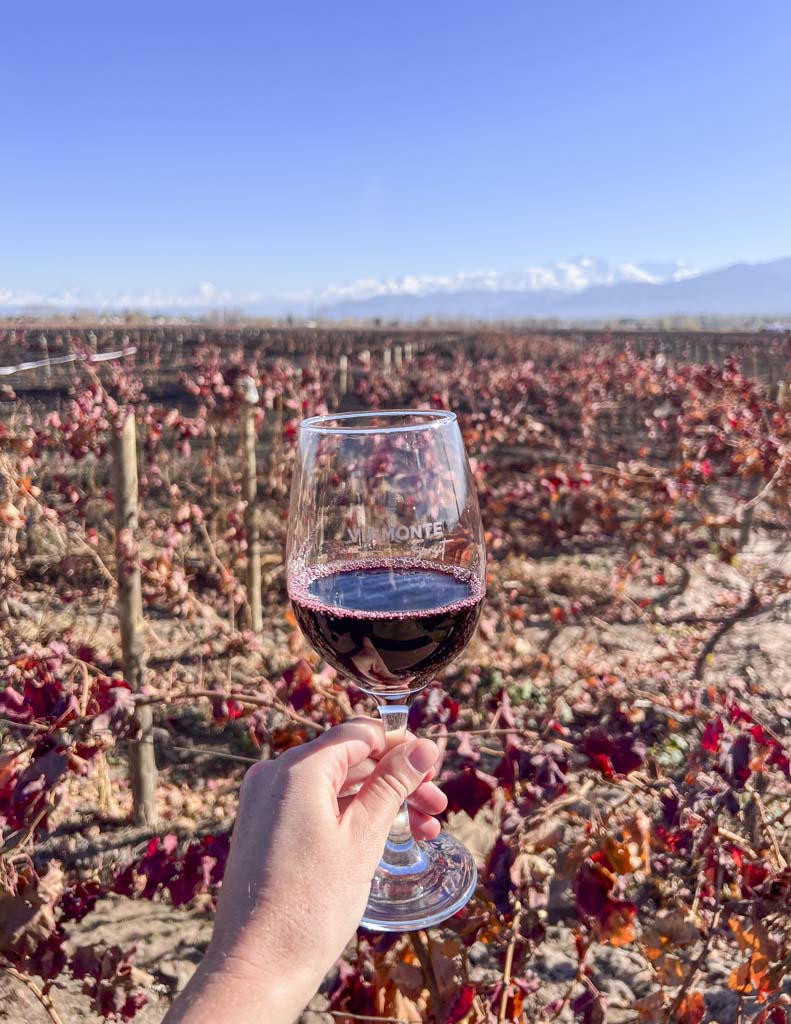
[401, 852]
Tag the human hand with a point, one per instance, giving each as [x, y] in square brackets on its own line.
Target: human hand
[309, 834]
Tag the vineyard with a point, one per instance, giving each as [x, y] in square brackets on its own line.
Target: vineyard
[614, 740]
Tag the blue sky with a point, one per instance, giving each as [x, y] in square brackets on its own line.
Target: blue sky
[282, 147]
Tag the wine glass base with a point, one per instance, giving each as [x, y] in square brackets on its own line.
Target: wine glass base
[426, 894]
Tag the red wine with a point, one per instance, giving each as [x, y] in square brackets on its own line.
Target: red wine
[388, 624]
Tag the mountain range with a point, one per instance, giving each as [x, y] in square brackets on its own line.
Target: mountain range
[742, 289]
[586, 289]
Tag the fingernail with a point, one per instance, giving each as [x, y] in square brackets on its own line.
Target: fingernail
[423, 755]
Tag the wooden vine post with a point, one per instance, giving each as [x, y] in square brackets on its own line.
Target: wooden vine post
[142, 763]
[44, 344]
[250, 494]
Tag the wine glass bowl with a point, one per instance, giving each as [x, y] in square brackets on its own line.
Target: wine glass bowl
[388, 623]
[386, 574]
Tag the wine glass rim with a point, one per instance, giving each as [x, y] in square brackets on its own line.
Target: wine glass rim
[432, 418]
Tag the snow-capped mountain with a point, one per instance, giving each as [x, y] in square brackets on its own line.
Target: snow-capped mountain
[570, 276]
[583, 289]
[562, 276]
[631, 290]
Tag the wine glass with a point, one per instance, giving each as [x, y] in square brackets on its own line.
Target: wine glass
[386, 570]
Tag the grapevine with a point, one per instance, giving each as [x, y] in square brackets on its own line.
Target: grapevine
[614, 740]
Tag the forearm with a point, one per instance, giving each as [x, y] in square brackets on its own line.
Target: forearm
[230, 992]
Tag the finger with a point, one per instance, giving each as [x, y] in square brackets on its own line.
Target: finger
[423, 825]
[358, 773]
[336, 751]
[427, 798]
[400, 772]
[364, 736]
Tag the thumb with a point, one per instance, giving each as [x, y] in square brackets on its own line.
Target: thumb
[399, 773]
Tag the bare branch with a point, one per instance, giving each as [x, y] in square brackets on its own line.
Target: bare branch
[749, 607]
[42, 996]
